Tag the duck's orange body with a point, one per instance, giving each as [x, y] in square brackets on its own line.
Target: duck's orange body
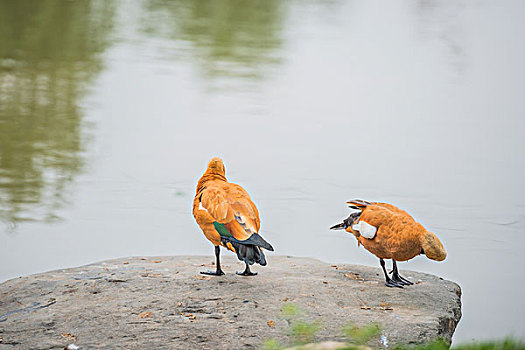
[390, 233]
[228, 217]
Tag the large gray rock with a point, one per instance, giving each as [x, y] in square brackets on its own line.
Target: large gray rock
[163, 302]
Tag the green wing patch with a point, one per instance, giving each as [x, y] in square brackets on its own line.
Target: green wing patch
[223, 231]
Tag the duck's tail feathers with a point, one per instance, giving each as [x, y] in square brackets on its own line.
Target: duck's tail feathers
[432, 247]
[249, 253]
[250, 250]
[257, 240]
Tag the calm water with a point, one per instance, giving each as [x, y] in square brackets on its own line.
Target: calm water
[109, 111]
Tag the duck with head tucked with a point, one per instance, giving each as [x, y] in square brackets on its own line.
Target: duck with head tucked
[390, 233]
[228, 218]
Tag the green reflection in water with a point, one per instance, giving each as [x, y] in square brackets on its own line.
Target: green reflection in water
[229, 38]
[49, 52]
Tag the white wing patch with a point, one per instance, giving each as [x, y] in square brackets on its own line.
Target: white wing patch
[365, 229]
[202, 208]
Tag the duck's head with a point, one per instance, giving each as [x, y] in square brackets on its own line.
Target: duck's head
[216, 166]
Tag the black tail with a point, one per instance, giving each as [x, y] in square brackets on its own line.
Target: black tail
[257, 240]
[249, 253]
[250, 250]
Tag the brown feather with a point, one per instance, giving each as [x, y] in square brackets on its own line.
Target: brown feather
[398, 235]
[218, 200]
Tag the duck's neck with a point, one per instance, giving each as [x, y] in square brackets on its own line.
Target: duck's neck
[209, 176]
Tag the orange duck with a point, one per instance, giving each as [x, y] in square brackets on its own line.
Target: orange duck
[228, 218]
[390, 233]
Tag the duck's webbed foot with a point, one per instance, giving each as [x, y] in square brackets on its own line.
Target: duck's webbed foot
[399, 279]
[219, 271]
[213, 273]
[396, 277]
[389, 282]
[247, 272]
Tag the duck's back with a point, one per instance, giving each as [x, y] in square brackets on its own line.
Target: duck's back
[397, 234]
[228, 204]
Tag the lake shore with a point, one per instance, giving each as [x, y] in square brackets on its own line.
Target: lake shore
[161, 302]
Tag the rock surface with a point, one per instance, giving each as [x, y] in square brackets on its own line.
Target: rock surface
[163, 302]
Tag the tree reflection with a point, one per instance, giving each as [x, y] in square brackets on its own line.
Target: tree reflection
[49, 52]
[235, 38]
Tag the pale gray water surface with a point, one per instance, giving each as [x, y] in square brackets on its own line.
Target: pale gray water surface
[109, 111]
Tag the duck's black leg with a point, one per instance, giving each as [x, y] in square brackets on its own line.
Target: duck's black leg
[247, 272]
[389, 282]
[219, 271]
[397, 278]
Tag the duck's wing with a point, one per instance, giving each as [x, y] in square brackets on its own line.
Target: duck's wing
[376, 215]
[372, 217]
[245, 211]
[235, 216]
